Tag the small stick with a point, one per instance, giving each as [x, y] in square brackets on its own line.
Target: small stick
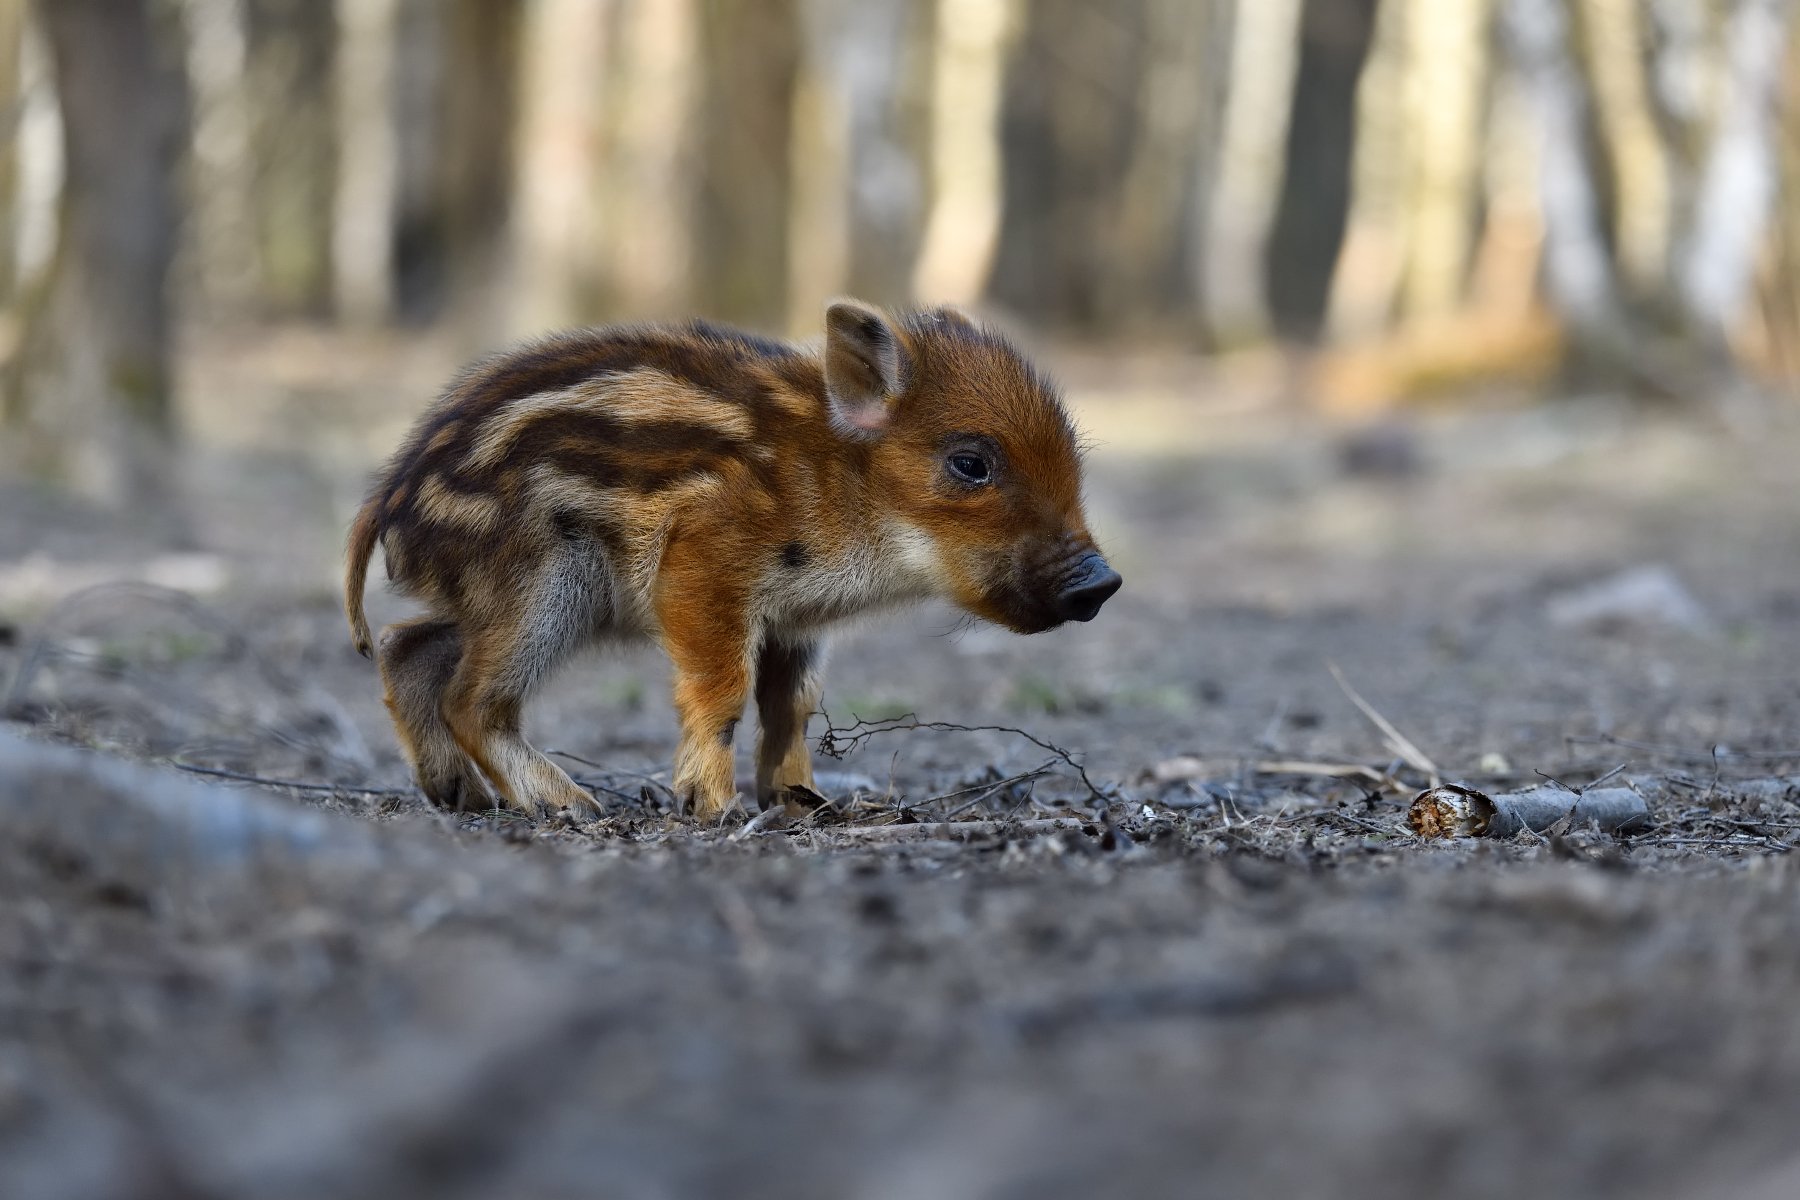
[1728, 843]
[1612, 774]
[1411, 754]
[292, 784]
[1692, 756]
[997, 786]
[758, 823]
[1321, 769]
[954, 830]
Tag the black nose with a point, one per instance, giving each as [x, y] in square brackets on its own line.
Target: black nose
[1093, 585]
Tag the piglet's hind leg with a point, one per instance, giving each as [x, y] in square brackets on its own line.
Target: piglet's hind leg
[501, 665]
[418, 660]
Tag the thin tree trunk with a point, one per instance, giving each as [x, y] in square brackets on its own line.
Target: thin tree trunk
[1615, 32]
[363, 228]
[1070, 128]
[12, 36]
[1366, 288]
[555, 236]
[1261, 82]
[1156, 243]
[1716, 271]
[93, 388]
[647, 187]
[869, 71]
[1576, 256]
[750, 55]
[290, 52]
[458, 76]
[1781, 304]
[972, 38]
[1314, 206]
[1446, 84]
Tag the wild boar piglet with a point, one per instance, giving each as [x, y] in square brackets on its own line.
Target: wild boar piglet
[727, 496]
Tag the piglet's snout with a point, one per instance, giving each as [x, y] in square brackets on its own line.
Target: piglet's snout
[1091, 585]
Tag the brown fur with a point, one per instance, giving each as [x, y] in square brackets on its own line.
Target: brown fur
[729, 497]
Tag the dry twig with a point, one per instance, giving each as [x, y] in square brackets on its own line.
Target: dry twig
[837, 741]
[1397, 741]
[294, 784]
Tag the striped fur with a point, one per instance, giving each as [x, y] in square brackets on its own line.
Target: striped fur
[728, 496]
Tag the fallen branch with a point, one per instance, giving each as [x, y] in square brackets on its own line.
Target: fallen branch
[1451, 810]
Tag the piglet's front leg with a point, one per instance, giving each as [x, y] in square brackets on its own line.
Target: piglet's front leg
[707, 636]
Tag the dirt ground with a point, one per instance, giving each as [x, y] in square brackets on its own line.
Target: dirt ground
[1212, 977]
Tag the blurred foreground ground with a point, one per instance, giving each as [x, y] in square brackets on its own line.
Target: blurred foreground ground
[1229, 982]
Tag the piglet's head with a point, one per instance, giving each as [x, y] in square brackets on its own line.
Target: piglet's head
[974, 460]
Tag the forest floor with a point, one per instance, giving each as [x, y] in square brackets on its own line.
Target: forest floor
[1196, 964]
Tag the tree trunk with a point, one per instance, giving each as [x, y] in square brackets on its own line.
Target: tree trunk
[1314, 206]
[1577, 257]
[1070, 127]
[1716, 269]
[1446, 83]
[93, 387]
[364, 207]
[647, 185]
[457, 80]
[1615, 35]
[1155, 266]
[290, 51]
[864, 104]
[557, 225]
[12, 104]
[750, 59]
[956, 254]
[1263, 48]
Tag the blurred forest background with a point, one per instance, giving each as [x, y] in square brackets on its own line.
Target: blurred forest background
[1417, 194]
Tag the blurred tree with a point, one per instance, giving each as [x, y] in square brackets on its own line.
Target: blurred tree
[290, 61]
[1577, 248]
[363, 209]
[883, 70]
[750, 57]
[457, 80]
[1446, 83]
[1716, 263]
[558, 216]
[1314, 205]
[1781, 290]
[1070, 125]
[91, 385]
[970, 43]
[12, 106]
[1712, 97]
[1156, 242]
[1259, 91]
[862, 128]
[648, 184]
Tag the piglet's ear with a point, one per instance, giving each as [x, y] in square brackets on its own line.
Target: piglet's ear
[954, 317]
[866, 367]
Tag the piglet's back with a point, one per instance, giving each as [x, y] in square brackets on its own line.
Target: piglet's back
[597, 435]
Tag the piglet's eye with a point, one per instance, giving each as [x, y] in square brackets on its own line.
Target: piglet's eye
[970, 468]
